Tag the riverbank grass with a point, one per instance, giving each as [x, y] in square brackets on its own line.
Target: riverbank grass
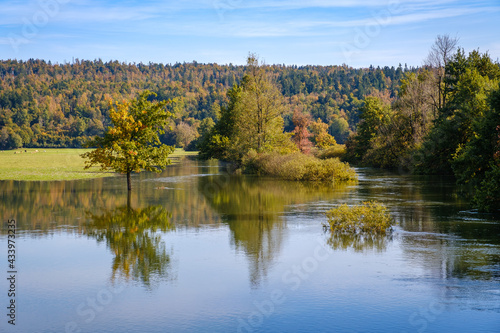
[55, 164]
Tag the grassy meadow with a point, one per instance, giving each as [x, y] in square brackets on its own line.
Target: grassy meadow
[55, 164]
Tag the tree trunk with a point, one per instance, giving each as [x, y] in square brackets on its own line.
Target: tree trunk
[129, 182]
[129, 200]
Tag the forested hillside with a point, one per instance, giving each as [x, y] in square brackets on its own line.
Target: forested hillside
[60, 105]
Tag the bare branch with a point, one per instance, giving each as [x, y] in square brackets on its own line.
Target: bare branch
[441, 51]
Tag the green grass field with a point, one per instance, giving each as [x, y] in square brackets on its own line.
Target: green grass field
[55, 164]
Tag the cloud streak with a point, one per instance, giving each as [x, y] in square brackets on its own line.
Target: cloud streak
[301, 27]
[212, 28]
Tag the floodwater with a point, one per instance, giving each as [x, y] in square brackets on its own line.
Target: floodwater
[197, 250]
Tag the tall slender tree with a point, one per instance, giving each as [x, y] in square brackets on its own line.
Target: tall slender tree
[301, 134]
[259, 109]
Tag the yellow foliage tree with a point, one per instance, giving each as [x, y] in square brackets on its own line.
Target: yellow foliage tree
[321, 137]
[132, 144]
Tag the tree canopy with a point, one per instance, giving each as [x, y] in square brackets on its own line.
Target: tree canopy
[259, 112]
[252, 119]
[44, 104]
[132, 144]
[447, 126]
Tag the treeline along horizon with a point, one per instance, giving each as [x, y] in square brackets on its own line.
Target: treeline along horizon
[60, 105]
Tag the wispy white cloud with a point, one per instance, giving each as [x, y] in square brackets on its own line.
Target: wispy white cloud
[15, 12]
[300, 4]
[149, 17]
[242, 27]
[400, 19]
[4, 41]
[85, 26]
[93, 12]
[103, 15]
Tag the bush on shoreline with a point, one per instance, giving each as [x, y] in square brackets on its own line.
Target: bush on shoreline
[298, 166]
[368, 218]
[338, 151]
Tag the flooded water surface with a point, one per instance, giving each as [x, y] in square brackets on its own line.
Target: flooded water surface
[197, 250]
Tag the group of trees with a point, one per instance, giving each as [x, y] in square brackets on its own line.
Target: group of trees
[253, 121]
[445, 120]
[61, 105]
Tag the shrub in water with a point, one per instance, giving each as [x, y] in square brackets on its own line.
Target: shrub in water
[367, 218]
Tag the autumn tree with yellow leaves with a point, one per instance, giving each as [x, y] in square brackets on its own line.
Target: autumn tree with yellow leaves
[132, 144]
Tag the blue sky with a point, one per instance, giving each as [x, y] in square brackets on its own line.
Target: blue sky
[358, 33]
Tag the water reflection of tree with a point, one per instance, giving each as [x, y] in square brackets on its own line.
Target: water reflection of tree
[45, 206]
[359, 242]
[416, 201]
[133, 237]
[445, 239]
[252, 215]
[448, 257]
[253, 209]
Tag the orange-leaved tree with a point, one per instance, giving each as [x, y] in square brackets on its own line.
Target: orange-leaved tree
[132, 144]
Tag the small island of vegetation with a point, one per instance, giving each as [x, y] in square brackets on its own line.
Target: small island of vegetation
[250, 134]
[368, 218]
[368, 225]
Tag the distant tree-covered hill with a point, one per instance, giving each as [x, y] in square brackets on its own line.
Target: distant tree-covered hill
[60, 105]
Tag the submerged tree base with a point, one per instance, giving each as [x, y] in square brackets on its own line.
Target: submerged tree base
[369, 218]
